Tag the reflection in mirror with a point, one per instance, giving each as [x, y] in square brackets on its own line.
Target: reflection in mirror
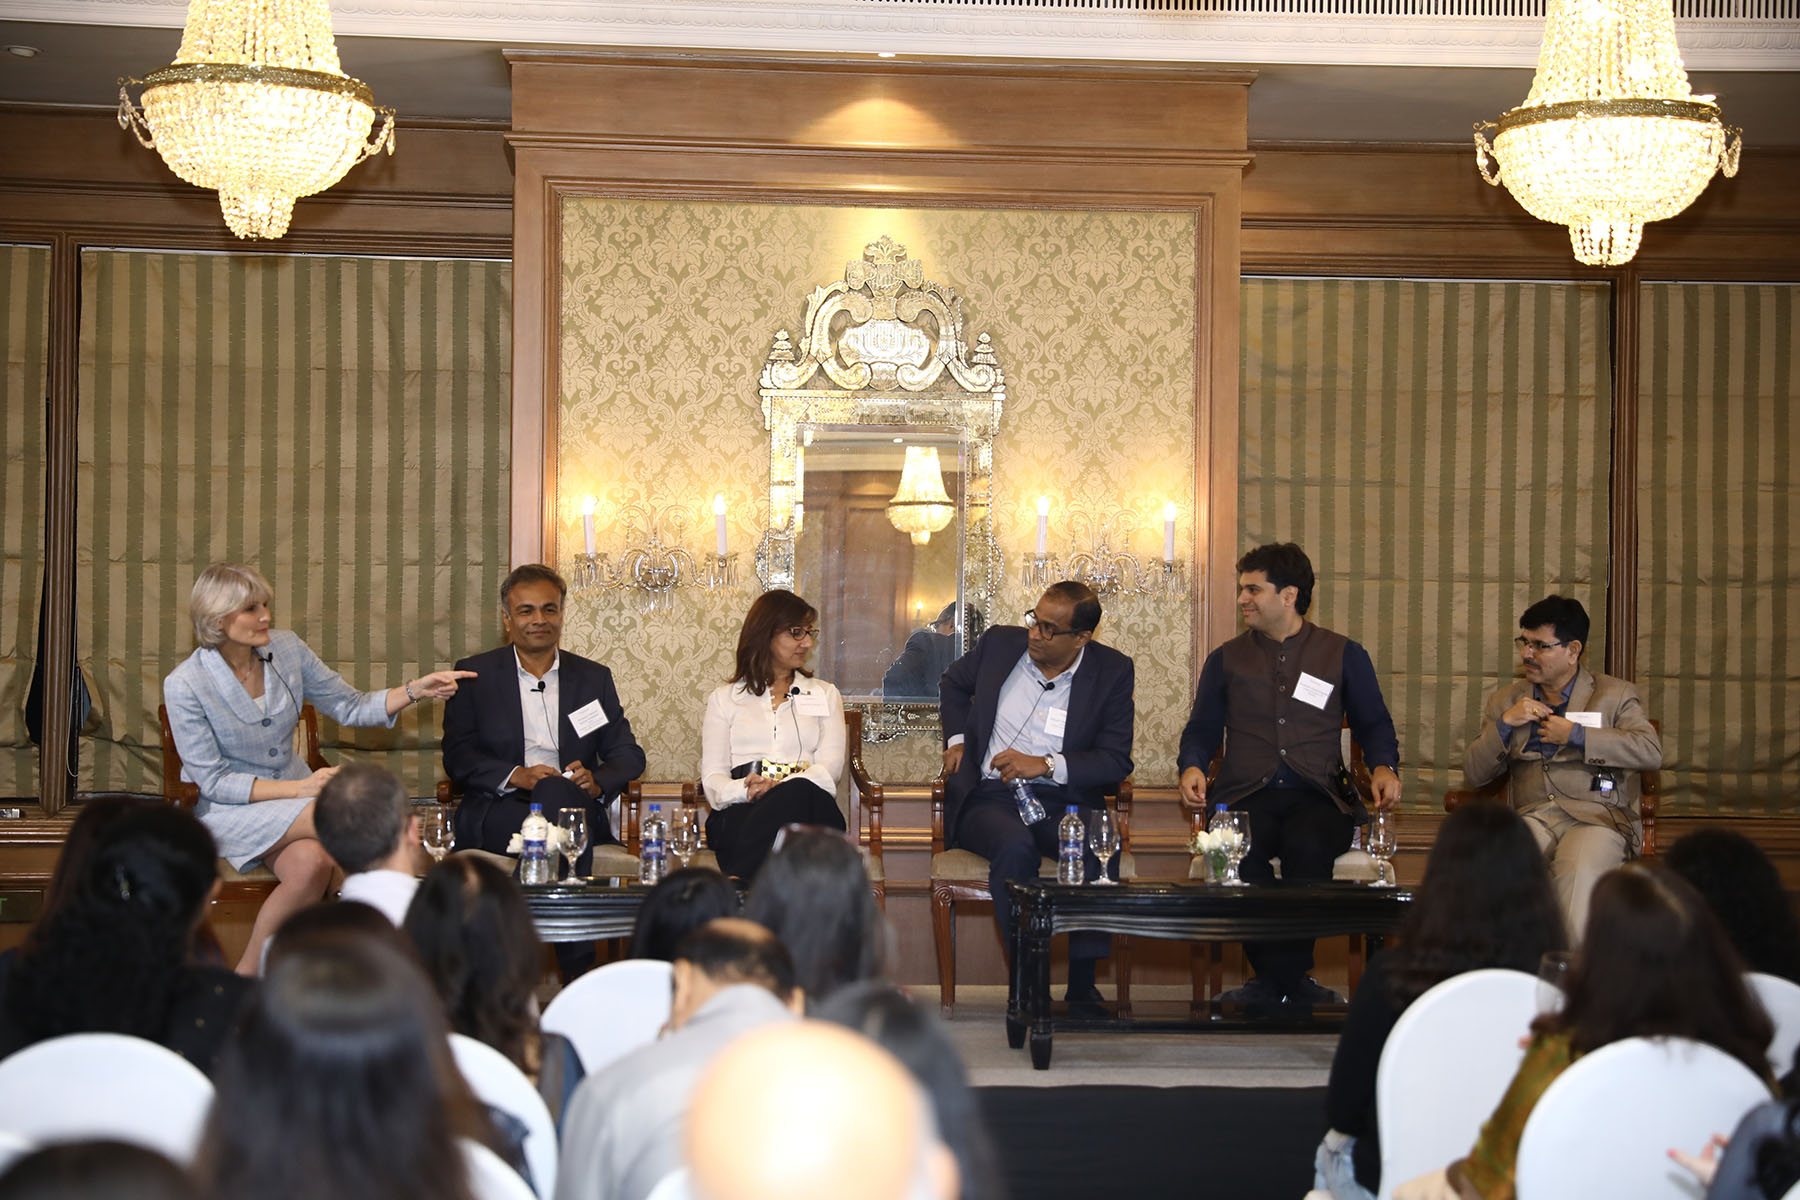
[881, 421]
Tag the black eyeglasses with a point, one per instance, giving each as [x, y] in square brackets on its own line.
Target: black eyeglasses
[802, 634]
[1535, 646]
[1044, 628]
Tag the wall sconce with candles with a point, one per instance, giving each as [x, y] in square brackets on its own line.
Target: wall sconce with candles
[651, 566]
[1108, 571]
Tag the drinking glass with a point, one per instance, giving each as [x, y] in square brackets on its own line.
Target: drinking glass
[1553, 974]
[1103, 840]
[435, 832]
[684, 835]
[574, 824]
[1382, 843]
[1237, 845]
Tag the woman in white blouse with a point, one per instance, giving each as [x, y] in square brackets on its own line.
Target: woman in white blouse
[772, 743]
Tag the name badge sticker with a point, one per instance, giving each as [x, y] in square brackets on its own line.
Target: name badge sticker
[588, 718]
[1056, 720]
[1312, 690]
[1589, 719]
[811, 704]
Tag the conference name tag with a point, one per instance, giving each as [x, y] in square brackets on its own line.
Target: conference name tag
[588, 718]
[1312, 690]
[812, 704]
[1055, 721]
[1589, 719]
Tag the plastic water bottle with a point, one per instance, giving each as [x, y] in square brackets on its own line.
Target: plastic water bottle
[1219, 811]
[1031, 809]
[652, 847]
[534, 855]
[1069, 836]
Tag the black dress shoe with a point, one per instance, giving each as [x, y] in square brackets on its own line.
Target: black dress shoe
[1086, 1004]
[1257, 998]
[1313, 994]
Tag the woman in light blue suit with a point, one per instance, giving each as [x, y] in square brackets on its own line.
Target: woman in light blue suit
[233, 706]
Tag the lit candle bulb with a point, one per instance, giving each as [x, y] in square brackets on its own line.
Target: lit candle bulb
[1043, 532]
[1169, 532]
[719, 520]
[918, 611]
[587, 524]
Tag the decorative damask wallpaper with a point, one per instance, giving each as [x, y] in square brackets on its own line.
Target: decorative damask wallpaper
[668, 310]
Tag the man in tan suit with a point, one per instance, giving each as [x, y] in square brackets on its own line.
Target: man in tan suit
[1572, 743]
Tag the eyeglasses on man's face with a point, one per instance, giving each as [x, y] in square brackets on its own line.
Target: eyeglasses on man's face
[801, 633]
[1045, 629]
[1535, 646]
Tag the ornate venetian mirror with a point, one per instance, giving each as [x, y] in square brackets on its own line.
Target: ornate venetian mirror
[881, 422]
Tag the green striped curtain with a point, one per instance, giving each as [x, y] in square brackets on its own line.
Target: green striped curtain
[1442, 451]
[24, 337]
[1718, 522]
[342, 424]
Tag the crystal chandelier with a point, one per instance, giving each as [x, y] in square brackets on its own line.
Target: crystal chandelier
[1611, 136]
[256, 107]
[921, 506]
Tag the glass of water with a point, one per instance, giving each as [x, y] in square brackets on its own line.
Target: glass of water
[574, 824]
[1237, 845]
[1383, 841]
[1103, 840]
[684, 835]
[435, 832]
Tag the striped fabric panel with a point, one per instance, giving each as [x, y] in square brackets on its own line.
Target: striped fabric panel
[1719, 511]
[24, 339]
[1442, 452]
[343, 424]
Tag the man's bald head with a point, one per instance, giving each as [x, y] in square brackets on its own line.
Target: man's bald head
[868, 1133]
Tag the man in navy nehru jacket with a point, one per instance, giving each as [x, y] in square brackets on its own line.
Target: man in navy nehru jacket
[1277, 697]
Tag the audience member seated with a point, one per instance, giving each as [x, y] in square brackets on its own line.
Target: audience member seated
[681, 903]
[772, 739]
[1761, 1159]
[814, 895]
[95, 1170]
[331, 918]
[365, 822]
[888, 1017]
[1653, 963]
[117, 955]
[340, 1084]
[812, 1111]
[1485, 901]
[623, 1130]
[1740, 884]
[478, 946]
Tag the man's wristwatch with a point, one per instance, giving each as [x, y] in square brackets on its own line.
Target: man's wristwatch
[1049, 766]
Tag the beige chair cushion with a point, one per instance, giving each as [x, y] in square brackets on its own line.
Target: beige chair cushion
[1352, 865]
[230, 874]
[614, 861]
[965, 866]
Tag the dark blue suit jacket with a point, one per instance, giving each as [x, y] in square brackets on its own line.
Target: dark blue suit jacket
[1096, 741]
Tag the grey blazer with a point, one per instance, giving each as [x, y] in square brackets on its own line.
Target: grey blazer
[227, 741]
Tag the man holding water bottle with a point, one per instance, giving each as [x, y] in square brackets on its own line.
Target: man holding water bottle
[1036, 717]
[1276, 697]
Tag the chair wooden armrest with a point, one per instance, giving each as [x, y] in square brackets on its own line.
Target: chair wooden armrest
[1494, 790]
[309, 723]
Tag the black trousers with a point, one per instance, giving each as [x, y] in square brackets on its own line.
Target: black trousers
[1305, 830]
[989, 825]
[741, 835]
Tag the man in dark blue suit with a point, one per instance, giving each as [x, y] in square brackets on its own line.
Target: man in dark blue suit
[1046, 705]
[536, 725]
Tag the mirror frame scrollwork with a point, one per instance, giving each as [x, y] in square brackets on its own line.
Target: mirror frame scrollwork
[884, 346]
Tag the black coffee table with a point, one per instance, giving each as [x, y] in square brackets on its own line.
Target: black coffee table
[585, 910]
[1184, 911]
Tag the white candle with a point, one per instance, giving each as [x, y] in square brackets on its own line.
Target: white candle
[1169, 532]
[719, 521]
[587, 524]
[1043, 505]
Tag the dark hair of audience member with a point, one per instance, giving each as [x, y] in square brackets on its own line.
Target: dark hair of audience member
[1743, 889]
[340, 1085]
[1655, 963]
[328, 919]
[93, 817]
[813, 894]
[1485, 901]
[682, 902]
[474, 936]
[887, 1016]
[361, 815]
[95, 1170]
[725, 955]
[109, 959]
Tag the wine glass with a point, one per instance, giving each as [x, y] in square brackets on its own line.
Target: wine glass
[1103, 840]
[1237, 845]
[1382, 844]
[684, 835]
[574, 824]
[1553, 974]
[435, 832]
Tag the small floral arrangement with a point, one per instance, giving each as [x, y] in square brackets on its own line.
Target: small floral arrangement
[554, 842]
[1215, 846]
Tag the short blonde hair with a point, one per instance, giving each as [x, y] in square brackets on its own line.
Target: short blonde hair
[221, 590]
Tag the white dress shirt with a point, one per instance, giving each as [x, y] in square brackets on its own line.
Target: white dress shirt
[388, 892]
[539, 709]
[1022, 715]
[740, 728]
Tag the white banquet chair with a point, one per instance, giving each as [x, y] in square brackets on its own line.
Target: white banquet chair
[498, 1083]
[489, 1176]
[612, 1010]
[1781, 998]
[105, 1085]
